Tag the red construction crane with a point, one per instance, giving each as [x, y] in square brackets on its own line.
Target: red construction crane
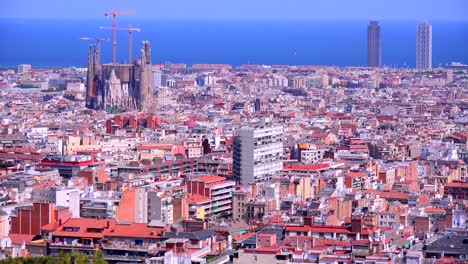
[130, 38]
[114, 15]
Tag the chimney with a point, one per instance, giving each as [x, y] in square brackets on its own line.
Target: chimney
[107, 225]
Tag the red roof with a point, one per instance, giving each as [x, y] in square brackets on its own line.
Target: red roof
[308, 168]
[435, 210]
[83, 225]
[353, 174]
[211, 178]
[336, 243]
[109, 228]
[50, 227]
[195, 198]
[159, 147]
[275, 249]
[359, 147]
[322, 229]
[138, 230]
[240, 237]
[393, 195]
[457, 184]
[18, 239]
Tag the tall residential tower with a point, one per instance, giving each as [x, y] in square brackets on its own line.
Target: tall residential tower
[374, 45]
[257, 154]
[424, 46]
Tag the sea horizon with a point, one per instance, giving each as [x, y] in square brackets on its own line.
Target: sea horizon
[55, 43]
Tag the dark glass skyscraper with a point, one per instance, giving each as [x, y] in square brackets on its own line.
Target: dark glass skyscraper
[374, 44]
[424, 46]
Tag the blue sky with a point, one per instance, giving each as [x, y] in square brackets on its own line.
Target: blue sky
[241, 9]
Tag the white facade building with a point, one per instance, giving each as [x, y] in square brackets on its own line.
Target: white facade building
[60, 196]
[258, 154]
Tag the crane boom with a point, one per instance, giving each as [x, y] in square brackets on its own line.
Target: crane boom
[130, 38]
[114, 15]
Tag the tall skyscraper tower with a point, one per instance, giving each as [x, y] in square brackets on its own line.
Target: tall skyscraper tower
[374, 45]
[424, 46]
[257, 153]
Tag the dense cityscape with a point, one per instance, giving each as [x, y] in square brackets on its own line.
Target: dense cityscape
[164, 163]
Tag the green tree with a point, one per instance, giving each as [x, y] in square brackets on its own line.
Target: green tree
[80, 258]
[33, 260]
[98, 259]
[64, 258]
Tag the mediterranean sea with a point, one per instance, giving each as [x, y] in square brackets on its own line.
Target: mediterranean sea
[56, 43]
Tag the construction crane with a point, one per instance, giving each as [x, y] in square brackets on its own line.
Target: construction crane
[114, 15]
[98, 46]
[130, 38]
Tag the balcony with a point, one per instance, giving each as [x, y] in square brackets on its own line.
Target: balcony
[92, 206]
[121, 258]
[86, 214]
[223, 208]
[228, 184]
[217, 198]
[117, 245]
[226, 190]
[64, 245]
[222, 203]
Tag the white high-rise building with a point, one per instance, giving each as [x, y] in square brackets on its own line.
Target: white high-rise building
[257, 154]
[157, 77]
[424, 46]
[24, 68]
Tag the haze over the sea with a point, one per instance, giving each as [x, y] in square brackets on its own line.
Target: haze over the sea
[56, 43]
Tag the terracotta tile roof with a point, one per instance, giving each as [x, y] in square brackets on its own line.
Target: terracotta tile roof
[353, 174]
[83, 224]
[18, 239]
[138, 230]
[240, 237]
[393, 195]
[211, 178]
[336, 243]
[110, 228]
[159, 147]
[309, 168]
[359, 147]
[275, 249]
[435, 210]
[323, 229]
[195, 198]
[50, 227]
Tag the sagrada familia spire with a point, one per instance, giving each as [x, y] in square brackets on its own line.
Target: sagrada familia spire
[120, 86]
